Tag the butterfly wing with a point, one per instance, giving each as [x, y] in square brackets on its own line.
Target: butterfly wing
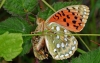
[60, 46]
[40, 54]
[38, 42]
[73, 17]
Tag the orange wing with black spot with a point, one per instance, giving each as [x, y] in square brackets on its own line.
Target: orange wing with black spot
[73, 17]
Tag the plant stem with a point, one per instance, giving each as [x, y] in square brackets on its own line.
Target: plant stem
[31, 34]
[64, 34]
[3, 1]
[84, 43]
[49, 5]
[81, 51]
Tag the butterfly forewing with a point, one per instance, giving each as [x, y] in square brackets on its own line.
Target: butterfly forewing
[73, 18]
[59, 44]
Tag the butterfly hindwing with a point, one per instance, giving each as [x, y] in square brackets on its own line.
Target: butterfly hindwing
[40, 54]
[60, 46]
[39, 48]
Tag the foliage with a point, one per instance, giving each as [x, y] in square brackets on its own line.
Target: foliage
[45, 14]
[19, 7]
[90, 57]
[17, 19]
[10, 45]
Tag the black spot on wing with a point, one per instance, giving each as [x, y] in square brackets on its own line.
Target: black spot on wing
[67, 24]
[75, 26]
[68, 9]
[62, 13]
[75, 17]
[81, 19]
[57, 16]
[79, 24]
[68, 16]
[64, 19]
[73, 7]
[73, 13]
[59, 13]
[74, 22]
[54, 17]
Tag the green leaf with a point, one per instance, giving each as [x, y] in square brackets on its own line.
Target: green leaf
[60, 61]
[10, 45]
[20, 7]
[16, 25]
[27, 45]
[45, 14]
[90, 57]
[98, 3]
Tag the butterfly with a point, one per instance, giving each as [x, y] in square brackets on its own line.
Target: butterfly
[56, 41]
